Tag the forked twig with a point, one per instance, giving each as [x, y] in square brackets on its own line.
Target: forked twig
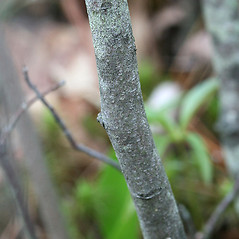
[22, 109]
[67, 133]
[9, 169]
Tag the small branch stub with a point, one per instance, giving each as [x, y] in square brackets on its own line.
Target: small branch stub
[100, 120]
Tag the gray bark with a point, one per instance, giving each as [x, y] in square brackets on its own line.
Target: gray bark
[124, 119]
[222, 21]
[11, 96]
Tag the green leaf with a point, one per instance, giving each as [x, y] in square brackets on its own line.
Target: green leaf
[202, 157]
[163, 119]
[126, 224]
[115, 210]
[225, 187]
[195, 98]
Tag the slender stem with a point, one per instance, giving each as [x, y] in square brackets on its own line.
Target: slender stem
[23, 108]
[220, 209]
[17, 191]
[187, 221]
[67, 133]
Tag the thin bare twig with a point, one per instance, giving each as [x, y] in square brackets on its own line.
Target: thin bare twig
[22, 109]
[16, 187]
[8, 167]
[67, 133]
[223, 205]
[18, 194]
[187, 221]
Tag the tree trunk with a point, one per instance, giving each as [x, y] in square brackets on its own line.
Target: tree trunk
[124, 119]
[222, 21]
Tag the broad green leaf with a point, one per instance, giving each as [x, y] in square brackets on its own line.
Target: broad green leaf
[202, 157]
[126, 224]
[106, 201]
[195, 98]
[116, 214]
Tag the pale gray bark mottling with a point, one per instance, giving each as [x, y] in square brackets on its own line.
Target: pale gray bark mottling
[123, 117]
[222, 21]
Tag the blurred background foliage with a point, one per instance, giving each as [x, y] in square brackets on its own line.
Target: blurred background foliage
[53, 38]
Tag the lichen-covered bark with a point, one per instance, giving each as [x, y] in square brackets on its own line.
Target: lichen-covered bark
[222, 21]
[123, 117]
